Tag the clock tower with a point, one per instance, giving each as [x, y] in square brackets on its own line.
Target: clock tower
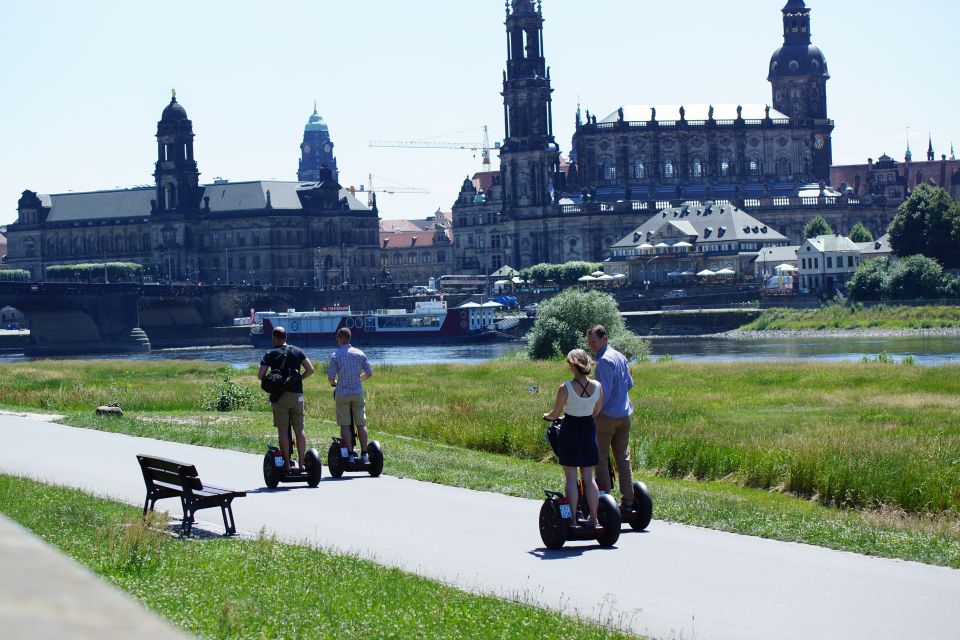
[316, 151]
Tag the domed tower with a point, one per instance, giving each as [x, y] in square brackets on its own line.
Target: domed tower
[316, 151]
[798, 73]
[176, 171]
[798, 70]
[529, 158]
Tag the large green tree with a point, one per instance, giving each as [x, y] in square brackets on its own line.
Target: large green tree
[818, 226]
[563, 321]
[860, 233]
[928, 223]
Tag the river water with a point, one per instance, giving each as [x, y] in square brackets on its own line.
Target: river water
[924, 350]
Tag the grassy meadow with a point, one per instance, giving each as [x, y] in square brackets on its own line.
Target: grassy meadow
[230, 588]
[856, 316]
[880, 441]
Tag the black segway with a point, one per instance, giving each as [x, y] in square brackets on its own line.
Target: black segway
[273, 468]
[640, 513]
[558, 523]
[338, 464]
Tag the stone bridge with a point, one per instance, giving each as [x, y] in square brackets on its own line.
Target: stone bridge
[130, 317]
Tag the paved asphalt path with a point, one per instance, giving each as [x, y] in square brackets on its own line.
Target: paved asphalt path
[674, 581]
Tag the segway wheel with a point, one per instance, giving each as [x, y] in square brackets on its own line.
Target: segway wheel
[334, 461]
[271, 474]
[608, 513]
[643, 505]
[311, 460]
[553, 528]
[376, 458]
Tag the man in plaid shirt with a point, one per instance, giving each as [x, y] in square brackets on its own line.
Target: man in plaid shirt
[347, 371]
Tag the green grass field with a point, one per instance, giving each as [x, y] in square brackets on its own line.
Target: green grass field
[222, 588]
[880, 441]
[857, 317]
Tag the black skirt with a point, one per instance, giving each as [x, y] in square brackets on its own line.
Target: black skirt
[578, 442]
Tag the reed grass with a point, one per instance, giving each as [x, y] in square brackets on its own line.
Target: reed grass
[855, 435]
[856, 316]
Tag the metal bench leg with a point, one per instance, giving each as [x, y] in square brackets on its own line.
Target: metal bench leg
[228, 524]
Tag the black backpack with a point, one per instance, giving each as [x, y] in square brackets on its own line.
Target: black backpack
[277, 380]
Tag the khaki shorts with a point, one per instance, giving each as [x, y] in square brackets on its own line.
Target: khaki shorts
[354, 405]
[288, 409]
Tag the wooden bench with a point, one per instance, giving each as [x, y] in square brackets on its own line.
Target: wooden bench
[166, 478]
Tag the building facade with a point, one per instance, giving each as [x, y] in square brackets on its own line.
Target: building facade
[679, 243]
[892, 182]
[262, 232]
[772, 161]
[413, 251]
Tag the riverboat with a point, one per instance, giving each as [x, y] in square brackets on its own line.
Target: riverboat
[429, 321]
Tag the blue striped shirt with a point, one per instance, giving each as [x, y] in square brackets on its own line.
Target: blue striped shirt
[346, 364]
[613, 372]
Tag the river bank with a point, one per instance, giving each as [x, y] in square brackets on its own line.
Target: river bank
[804, 334]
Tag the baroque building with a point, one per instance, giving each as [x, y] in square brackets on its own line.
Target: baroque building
[413, 251]
[891, 181]
[316, 151]
[306, 233]
[771, 161]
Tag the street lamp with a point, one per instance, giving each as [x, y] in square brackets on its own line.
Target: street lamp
[645, 267]
[226, 263]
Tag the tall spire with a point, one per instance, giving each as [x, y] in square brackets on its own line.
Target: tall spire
[908, 156]
[953, 156]
[931, 156]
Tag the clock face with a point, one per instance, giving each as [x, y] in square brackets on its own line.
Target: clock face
[819, 142]
[326, 147]
[306, 147]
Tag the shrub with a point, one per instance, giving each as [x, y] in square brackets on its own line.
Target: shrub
[14, 275]
[563, 321]
[228, 395]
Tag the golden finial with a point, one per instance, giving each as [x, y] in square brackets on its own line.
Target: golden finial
[173, 93]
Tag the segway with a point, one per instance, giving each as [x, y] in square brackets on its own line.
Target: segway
[640, 513]
[338, 464]
[558, 523]
[273, 468]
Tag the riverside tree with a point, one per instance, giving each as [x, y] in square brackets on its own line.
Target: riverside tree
[563, 321]
[928, 223]
[907, 279]
[818, 226]
[860, 233]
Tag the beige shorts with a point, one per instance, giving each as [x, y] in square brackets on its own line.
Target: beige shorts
[288, 409]
[354, 405]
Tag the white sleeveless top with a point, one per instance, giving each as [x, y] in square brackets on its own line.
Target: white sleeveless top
[577, 406]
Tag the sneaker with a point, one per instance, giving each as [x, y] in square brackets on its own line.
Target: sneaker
[352, 459]
[365, 459]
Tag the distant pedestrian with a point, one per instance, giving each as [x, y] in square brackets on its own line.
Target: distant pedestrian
[348, 369]
[288, 405]
[579, 400]
[613, 421]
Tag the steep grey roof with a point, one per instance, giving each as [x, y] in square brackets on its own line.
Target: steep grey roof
[224, 198]
[833, 243]
[126, 203]
[774, 256]
[880, 246]
[707, 223]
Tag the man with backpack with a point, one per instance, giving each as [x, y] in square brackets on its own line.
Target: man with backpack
[287, 401]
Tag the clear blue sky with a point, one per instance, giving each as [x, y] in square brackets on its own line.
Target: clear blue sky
[84, 83]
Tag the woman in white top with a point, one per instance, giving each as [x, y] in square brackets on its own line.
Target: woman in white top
[579, 400]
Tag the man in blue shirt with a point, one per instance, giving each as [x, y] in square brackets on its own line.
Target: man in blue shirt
[613, 423]
[347, 371]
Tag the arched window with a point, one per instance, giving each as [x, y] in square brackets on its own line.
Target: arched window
[668, 170]
[696, 168]
[607, 170]
[118, 242]
[145, 241]
[639, 170]
[756, 166]
[783, 167]
[726, 167]
[169, 197]
[132, 242]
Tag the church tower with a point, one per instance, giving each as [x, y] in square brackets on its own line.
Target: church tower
[798, 73]
[316, 150]
[176, 173]
[529, 157]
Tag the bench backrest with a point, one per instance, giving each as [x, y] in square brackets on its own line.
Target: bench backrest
[169, 472]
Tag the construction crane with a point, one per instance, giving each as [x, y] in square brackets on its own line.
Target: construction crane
[395, 187]
[434, 144]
